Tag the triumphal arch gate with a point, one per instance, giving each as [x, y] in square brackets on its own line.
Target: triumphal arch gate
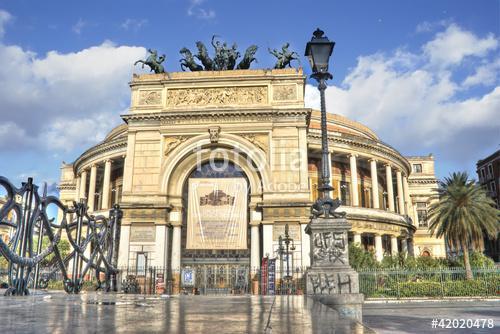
[216, 166]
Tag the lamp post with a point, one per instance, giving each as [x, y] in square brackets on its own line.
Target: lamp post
[318, 51]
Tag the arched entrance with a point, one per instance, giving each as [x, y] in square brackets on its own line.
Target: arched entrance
[210, 262]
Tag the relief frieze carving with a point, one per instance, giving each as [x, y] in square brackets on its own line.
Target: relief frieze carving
[172, 142]
[217, 96]
[149, 97]
[284, 93]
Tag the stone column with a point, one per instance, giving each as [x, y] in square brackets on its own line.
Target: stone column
[175, 262]
[176, 248]
[401, 199]
[254, 250]
[390, 189]
[406, 192]
[379, 251]
[373, 168]
[357, 238]
[404, 245]
[105, 184]
[161, 241]
[92, 184]
[394, 245]
[267, 240]
[416, 221]
[77, 189]
[354, 181]
[83, 184]
[123, 252]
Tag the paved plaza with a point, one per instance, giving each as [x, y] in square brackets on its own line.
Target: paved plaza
[100, 313]
[417, 317]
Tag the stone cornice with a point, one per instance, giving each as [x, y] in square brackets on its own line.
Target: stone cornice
[118, 145]
[216, 115]
[314, 136]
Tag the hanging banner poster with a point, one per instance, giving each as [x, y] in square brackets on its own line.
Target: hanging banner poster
[217, 213]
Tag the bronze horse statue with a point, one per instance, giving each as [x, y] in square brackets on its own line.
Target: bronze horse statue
[153, 62]
[248, 58]
[188, 61]
[203, 56]
[284, 57]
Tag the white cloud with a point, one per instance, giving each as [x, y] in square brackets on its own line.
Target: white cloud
[5, 17]
[485, 75]
[418, 108]
[197, 11]
[427, 26]
[133, 24]
[451, 46]
[60, 101]
[78, 26]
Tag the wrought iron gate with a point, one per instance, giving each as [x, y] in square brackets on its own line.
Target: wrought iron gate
[210, 279]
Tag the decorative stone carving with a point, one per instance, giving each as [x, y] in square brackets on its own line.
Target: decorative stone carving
[284, 93]
[329, 247]
[214, 132]
[258, 139]
[256, 95]
[149, 97]
[172, 142]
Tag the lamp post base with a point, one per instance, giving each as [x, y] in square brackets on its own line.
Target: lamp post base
[331, 280]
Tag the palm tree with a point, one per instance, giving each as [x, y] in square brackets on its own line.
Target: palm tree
[463, 214]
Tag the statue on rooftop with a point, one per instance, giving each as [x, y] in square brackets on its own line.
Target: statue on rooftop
[225, 57]
[153, 61]
[248, 58]
[284, 57]
[203, 56]
[188, 61]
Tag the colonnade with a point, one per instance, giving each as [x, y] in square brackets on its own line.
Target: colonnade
[403, 202]
[82, 191]
[395, 241]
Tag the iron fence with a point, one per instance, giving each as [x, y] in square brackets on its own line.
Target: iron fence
[432, 283]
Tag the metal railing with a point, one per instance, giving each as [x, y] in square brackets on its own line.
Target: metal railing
[429, 283]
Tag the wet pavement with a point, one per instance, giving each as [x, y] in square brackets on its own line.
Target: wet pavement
[108, 313]
[416, 317]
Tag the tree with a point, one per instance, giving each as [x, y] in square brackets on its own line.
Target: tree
[463, 215]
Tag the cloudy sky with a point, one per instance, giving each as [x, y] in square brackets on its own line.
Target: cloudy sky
[422, 74]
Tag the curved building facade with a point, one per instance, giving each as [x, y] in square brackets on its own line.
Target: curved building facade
[194, 144]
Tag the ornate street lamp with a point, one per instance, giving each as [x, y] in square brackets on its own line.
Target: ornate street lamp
[319, 50]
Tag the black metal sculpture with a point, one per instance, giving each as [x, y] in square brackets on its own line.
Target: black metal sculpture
[225, 57]
[25, 214]
[284, 57]
[153, 61]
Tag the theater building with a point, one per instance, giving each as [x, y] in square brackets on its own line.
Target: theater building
[208, 168]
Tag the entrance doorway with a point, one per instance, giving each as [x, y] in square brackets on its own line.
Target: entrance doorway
[215, 270]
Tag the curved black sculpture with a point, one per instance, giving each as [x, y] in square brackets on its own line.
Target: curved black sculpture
[25, 214]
